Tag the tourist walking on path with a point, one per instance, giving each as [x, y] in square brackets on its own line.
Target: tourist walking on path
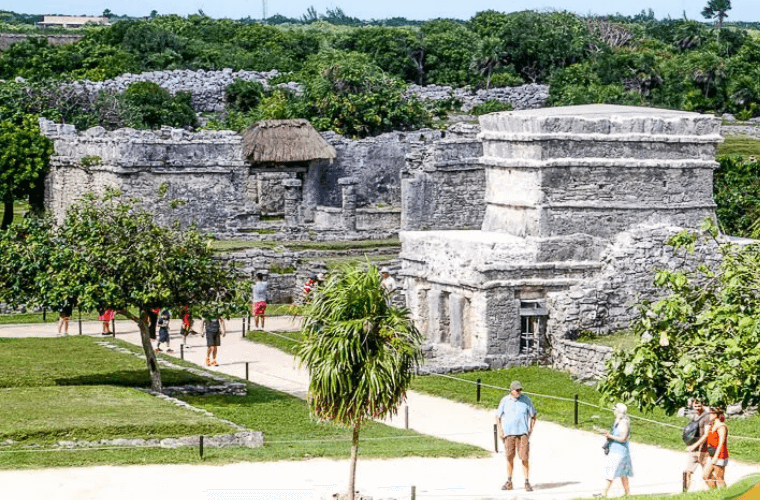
[618, 462]
[697, 452]
[213, 329]
[106, 316]
[163, 331]
[259, 301]
[516, 417]
[717, 447]
[63, 317]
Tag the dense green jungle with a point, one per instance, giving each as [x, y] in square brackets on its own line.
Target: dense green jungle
[353, 74]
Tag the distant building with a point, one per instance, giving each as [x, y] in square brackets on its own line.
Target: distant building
[71, 21]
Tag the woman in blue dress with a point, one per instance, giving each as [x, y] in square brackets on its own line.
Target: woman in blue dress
[618, 462]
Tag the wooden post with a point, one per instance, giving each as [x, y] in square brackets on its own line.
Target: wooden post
[414, 492]
[685, 481]
[478, 395]
[495, 438]
[182, 351]
[200, 447]
[80, 320]
[406, 416]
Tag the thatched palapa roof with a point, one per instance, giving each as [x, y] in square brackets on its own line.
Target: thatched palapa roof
[285, 141]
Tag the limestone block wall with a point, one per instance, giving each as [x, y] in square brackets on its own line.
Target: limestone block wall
[522, 97]
[376, 162]
[382, 219]
[605, 303]
[584, 361]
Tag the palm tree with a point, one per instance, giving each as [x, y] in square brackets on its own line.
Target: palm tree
[716, 9]
[361, 352]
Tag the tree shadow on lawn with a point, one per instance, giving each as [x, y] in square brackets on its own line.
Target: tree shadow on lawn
[135, 378]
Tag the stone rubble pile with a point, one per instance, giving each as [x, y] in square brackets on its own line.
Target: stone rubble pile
[529, 96]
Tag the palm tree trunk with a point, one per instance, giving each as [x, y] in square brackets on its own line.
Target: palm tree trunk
[354, 457]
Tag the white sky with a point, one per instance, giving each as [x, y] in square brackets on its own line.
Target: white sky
[743, 10]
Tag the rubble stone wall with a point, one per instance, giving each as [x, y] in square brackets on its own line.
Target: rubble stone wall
[584, 361]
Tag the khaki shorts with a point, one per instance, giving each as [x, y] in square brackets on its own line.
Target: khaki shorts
[520, 444]
[695, 458]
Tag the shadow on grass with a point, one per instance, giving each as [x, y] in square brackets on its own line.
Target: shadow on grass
[135, 378]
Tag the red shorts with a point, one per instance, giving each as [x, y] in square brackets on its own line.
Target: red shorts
[259, 308]
[108, 315]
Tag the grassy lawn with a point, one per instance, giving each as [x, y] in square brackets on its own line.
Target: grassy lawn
[97, 412]
[231, 245]
[741, 144]
[76, 360]
[540, 380]
[284, 341]
[71, 388]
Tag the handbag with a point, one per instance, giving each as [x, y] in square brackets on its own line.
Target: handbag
[691, 433]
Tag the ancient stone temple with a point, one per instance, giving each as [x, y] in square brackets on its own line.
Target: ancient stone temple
[579, 203]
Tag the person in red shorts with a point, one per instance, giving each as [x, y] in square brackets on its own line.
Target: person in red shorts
[259, 301]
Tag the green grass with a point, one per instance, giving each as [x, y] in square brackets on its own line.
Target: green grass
[231, 245]
[541, 380]
[284, 309]
[624, 340]
[337, 262]
[735, 490]
[276, 340]
[740, 144]
[51, 316]
[76, 360]
[92, 413]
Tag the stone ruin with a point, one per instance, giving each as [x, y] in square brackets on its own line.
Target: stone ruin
[576, 205]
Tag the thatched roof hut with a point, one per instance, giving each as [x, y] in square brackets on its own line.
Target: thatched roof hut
[285, 141]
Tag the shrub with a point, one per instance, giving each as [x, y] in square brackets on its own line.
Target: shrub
[492, 106]
[147, 105]
[243, 95]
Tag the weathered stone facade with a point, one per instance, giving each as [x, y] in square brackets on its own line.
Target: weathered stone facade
[579, 200]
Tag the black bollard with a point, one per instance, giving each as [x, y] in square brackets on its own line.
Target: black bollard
[200, 447]
[44, 314]
[478, 396]
[575, 418]
[182, 351]
[113, 327]
[246, 370]
[80, 320]
[495, 438]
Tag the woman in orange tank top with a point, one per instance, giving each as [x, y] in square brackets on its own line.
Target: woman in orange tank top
[717, 438]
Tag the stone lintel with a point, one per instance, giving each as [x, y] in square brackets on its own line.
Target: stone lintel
[600, 137]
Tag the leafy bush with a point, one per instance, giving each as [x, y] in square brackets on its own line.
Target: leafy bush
[147, 105]
[736, 190]
[243, 95]
[492, 106]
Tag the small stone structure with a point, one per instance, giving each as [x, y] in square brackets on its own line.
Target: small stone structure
[8, 39]
[579, 203]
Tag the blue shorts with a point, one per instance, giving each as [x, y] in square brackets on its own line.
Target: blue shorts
[163, 335]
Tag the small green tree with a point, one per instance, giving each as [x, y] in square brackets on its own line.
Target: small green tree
[361, 352]
[717, 9]
[108, 252]
[24, 161]
[702, 340]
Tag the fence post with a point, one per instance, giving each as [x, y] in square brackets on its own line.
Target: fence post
[685, 479]
[575, 419]
[406, 416]
[182, 351]
[414, 492]
[242, 328]
[495, 439]
[80, 320]
[44, 314]
[113, 326]
[478, 394]
[200, 447]
[246, 370]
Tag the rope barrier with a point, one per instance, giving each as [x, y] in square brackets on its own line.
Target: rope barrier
[559, 398]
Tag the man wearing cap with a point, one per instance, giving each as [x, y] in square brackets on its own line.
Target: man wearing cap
[516, 417]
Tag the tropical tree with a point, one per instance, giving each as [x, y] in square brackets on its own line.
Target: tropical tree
[361, 351]
[24, 161]
[107, 252]
[717, 9]
[702, 340]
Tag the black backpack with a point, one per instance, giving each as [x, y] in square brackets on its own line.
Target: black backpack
[691, 433]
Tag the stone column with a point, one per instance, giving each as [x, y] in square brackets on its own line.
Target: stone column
[456, 321]
[293, 194]
[348, 185]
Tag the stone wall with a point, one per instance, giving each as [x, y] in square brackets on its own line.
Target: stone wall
[7, 39]
[528, 96]
[584, 361]
[605, 303]
[443, 183]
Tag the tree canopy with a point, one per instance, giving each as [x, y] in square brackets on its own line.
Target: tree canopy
[107, 252]
[702, 340]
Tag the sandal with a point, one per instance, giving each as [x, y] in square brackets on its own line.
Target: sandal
[528, 487]
[507, 485]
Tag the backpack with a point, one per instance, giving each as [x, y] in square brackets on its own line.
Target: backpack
[691, 433]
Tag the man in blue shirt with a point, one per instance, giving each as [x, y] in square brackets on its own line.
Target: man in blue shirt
[516, 417]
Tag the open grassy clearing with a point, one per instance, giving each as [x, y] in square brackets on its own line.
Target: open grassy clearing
[232, 245]
[740, 144]
[56, 389]
[44, 415]
[76, 360]
[540, 381]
